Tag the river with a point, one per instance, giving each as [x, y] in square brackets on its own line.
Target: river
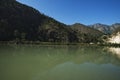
[59, 62]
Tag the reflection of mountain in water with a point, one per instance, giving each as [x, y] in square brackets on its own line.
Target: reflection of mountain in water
[60, 54]
[115, 51]
[38, 61]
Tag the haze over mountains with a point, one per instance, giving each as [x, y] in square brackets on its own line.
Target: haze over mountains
[21, 23]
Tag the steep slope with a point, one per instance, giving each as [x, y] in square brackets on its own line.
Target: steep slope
[20, 23]
[23, 23]
[86, 34]
[17, 19]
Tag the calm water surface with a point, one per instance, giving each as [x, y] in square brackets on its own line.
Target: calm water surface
[26, 62]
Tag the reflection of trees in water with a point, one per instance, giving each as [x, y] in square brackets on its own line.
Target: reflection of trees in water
[57, 54]
[37, 59]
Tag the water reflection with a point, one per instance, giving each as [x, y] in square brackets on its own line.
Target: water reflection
[85, 71]
[114, 51]
[59, 62]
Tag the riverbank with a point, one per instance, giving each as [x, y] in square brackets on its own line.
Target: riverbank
[57, 43]
[45, 43]
[110, 44]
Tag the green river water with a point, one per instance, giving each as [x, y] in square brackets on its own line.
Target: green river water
[59, 62]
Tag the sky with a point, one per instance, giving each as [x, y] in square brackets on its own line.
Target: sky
[79, 11]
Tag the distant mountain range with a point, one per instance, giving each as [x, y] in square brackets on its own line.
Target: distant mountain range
[21, 23]
[107, 29]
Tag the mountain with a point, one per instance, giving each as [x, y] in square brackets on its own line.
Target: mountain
[115, 27]
[102, 27]
[86, 34]
[115, 36]
[20, 23]
[17, 19]
[107, 29]
[113, 31]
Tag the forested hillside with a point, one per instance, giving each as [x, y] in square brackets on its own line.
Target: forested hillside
[19, 23]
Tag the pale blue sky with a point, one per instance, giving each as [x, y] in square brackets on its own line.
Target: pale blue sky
[79, 11]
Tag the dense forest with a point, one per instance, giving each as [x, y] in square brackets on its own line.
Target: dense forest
[20, 23]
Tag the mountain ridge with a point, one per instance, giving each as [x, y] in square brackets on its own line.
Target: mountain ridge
[107, 29]
[20, 23]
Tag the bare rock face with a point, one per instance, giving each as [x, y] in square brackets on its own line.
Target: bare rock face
[115, 38]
